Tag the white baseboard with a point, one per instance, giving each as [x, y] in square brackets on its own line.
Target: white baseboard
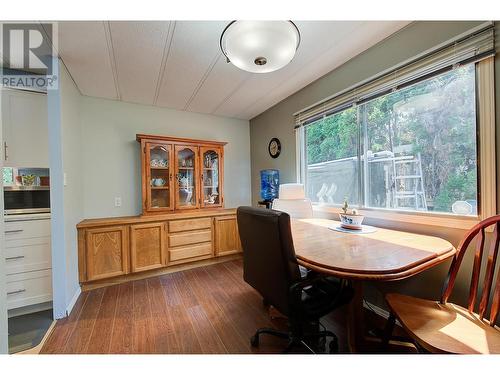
[73, 301]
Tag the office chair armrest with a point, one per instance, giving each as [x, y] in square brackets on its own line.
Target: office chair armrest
[296, 289]
[321, 282]
[304, 283]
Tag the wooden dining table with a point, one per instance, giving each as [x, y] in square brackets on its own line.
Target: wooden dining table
[383, 255]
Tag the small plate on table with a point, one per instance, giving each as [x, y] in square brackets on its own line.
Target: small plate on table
[364, 229]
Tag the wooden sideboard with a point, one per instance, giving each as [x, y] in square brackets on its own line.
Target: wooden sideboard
[114, 247]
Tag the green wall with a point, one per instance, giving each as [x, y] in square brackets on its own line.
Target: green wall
[278, 122]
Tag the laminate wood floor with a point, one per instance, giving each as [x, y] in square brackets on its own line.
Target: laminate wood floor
[202, 310]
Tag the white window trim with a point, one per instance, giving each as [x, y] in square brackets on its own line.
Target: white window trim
[487, 165]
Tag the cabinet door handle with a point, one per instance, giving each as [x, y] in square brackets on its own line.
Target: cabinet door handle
[13, 258]
[6, 156]
[16, 292]
[14, 231]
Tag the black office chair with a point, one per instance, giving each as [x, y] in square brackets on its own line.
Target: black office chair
[270, 267]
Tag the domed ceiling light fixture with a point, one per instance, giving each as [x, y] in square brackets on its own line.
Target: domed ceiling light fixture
[260, 46]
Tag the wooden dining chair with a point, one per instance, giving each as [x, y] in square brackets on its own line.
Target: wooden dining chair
[443, 327]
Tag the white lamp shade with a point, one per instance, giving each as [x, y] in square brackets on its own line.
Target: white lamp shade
[260, 46]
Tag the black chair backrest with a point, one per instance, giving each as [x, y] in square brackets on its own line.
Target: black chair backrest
[269, 262]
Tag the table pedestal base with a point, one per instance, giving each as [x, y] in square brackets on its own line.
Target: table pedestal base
[355, 319]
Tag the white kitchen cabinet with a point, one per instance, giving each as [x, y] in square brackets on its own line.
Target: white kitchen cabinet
[25, 129]
[28, 263]
[32, 255]
[28, 288]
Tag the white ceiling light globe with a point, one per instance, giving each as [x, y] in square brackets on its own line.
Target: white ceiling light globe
[260, 46]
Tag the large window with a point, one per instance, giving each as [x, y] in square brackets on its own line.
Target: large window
[414, 149]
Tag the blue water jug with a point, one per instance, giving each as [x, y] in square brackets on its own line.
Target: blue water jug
[269, 184]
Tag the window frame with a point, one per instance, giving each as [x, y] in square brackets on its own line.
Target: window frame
[486, 165]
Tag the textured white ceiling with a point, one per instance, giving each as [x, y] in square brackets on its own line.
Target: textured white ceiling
[178, 64]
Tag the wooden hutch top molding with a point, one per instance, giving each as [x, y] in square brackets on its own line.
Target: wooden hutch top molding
[186, 141]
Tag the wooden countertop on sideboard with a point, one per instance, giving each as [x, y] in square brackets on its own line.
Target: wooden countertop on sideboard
[88, 223]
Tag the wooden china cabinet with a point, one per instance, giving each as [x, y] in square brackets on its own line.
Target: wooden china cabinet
[183, 219]
[180, 174]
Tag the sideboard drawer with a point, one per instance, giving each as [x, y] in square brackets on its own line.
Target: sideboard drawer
[29, 288]
[193, 251]
[189, 224]
[189, 238]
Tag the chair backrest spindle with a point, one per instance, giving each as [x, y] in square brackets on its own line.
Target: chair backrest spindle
[456, 262]
[495, 306]
[476, 270]
[490, 270]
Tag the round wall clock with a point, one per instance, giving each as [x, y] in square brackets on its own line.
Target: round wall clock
[274, 148]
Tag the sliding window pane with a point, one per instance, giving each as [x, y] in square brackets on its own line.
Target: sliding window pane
[332, 166]
[420, 146]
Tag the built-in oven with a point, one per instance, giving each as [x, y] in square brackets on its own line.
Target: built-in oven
[26, 190]
[26, 199]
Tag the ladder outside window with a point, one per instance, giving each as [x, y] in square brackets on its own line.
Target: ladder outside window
[408, 183]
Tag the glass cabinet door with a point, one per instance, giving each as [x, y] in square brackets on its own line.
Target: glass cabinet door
[210, 159]
[158, 157]
[186, 177]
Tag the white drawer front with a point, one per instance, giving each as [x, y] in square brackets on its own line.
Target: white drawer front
[29, 288]
[15, 230]
[33, 257]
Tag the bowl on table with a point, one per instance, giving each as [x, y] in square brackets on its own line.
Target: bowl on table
[351, 221]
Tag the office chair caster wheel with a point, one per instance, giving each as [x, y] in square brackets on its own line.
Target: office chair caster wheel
[254, 341]
[334, 345]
